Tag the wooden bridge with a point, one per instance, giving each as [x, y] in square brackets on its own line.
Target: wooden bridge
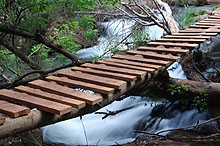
[61, 97]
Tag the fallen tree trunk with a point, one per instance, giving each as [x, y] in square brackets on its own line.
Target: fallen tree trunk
[210, 88]
[195, 88]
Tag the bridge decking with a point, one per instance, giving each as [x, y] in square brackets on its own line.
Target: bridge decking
[61, 97]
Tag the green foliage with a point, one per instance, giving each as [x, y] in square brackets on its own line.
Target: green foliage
[140, 37]
[190, 18]
[36, 16]
[42, 58]
[197, 3]
[178, 89]
[203, 12]
[200, 102]
[215, 7]
[6, 58]
[186, 17]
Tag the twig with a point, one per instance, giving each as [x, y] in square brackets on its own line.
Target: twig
[198, 71]
[144, 132]
[158, 7]
[187, 127]
[21, 79]
[112, 113]
[84, 129]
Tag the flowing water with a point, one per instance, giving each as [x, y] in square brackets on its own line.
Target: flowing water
[94, 130]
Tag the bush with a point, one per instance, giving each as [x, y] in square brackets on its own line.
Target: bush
[215, 7]
[197, 3]
[203, 12]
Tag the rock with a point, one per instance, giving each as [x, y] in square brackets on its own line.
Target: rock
[29, 138]
[158, 110]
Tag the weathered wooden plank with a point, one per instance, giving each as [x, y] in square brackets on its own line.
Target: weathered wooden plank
[93, 79]
[34, 102]
[161, 49]
[2, 120]
[119, 76]
[150, 70]
[54, 88]
[83, 85]
[154, 55]
[188, 36]
[142, 59]
[214, 17]
[53, 97]
[210, 21]
[182, 45]
[13, 110]
[137, 73]
[147, 65]
[190, 30]
[194, 34]
[197, 41]
[200, 26]
[209, 24]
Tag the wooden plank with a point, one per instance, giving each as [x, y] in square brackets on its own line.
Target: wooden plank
[211, 21]
[93, 79]
[2, 120]
[182, 45]
[209, 24]
[118, 76]
[200, 26]
[208, 19]
[154, 55]
[198, 41]
[142, 59]
[215, 17]
[54, 88]
[194, 34]
[161, 49]
[83, 85]
[53, 97]
[190, 30]
[147, 65]
[187, 36]
[137, 73]
[150, 70]
[34, 102]
[13, 110]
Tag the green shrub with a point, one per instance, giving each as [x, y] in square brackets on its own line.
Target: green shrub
[190, 18]
[197, 3]
[203, 12]
[215, 7]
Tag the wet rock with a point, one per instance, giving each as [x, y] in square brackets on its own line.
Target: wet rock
[158, 110]
[208, 129]
[30, 138]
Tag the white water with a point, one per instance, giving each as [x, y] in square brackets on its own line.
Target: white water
[116, 30]
[119, 128]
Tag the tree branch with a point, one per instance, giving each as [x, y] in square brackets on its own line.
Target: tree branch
[20, 55]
